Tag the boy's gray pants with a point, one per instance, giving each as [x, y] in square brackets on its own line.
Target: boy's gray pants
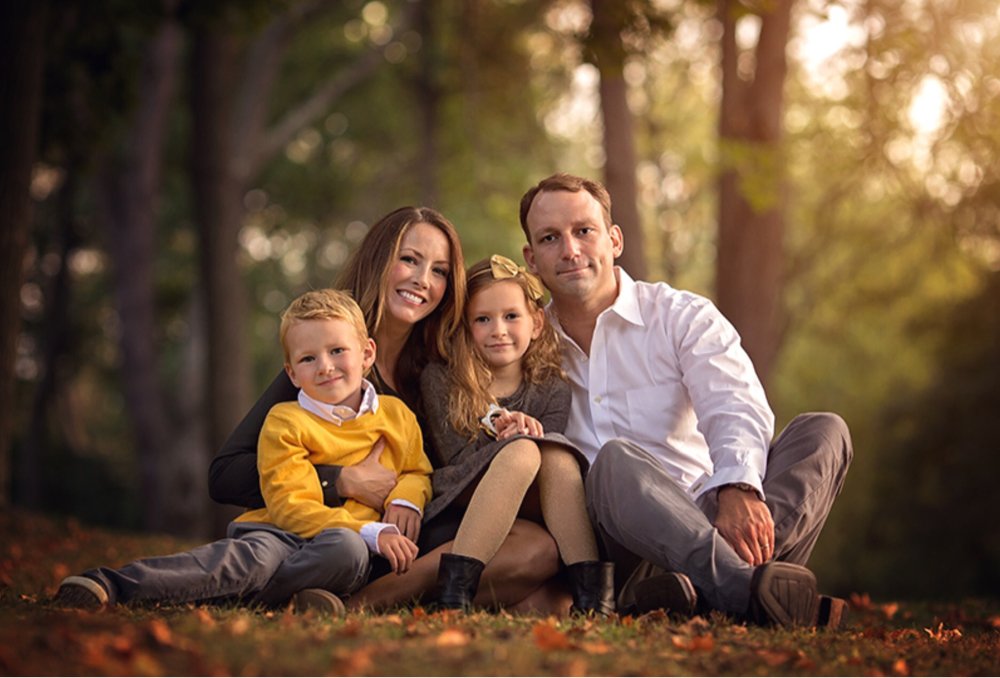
[256, 562]
[648, 524]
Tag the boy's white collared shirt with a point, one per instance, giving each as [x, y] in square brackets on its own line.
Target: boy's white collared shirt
[338, 414]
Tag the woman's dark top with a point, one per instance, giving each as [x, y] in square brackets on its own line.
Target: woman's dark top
[233, 476]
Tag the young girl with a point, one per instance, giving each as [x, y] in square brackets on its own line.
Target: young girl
[496, 416]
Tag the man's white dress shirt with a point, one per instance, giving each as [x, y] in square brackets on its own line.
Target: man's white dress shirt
[666, 371]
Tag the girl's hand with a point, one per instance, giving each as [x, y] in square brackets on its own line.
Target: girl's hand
[397, 549]
[511, 424]
[405, 518]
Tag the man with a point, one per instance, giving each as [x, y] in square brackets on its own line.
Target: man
[690, 496]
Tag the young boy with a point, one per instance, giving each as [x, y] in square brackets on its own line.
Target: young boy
[296, 547]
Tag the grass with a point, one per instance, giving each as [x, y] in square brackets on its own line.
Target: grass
[881, 638]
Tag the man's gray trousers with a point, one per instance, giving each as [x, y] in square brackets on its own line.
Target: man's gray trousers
[648, 524]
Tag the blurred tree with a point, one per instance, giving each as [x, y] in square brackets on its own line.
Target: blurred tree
[752, 184]
[610, 20]
[231, 144]
[129, 191]
[22, 50]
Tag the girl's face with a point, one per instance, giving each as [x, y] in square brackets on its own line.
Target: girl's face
[502, 324]
[418, 277]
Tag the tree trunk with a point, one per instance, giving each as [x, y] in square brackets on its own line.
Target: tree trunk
[22, 52]
[130, 185]
[218, 211]
[749, 267]
[428, 95]
[619, 142]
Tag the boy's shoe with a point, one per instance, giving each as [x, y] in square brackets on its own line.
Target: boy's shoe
[783, 594]
[321, 601]
[82, 593]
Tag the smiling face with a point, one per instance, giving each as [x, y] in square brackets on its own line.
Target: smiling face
[571, 248]
[327, 359]
[418, 277]
[501, 323]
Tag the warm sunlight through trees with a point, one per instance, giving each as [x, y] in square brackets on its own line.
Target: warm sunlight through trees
[828, 171]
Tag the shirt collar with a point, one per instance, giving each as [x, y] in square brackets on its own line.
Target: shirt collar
[627, 302]
[338, 414]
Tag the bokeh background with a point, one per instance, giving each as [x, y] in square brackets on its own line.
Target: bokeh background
[828, 171]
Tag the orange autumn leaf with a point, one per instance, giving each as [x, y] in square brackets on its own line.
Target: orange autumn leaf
[239, 626]
[353, 663]
[418, 613]
[351, 629]
[160, 632]
[890, 610]
[203, 617]
[598, 647]
[574, 667]
[548, 637]
[703, 643]
[774, 658]
[943, 635]
[860, 601]
[452, 638]
[994, 621]
[899, 668]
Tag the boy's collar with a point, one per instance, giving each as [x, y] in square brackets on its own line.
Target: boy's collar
[338, 414]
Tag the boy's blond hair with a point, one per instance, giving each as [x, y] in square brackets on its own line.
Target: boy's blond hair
[323, 305]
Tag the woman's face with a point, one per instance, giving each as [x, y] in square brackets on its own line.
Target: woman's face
[418, 277]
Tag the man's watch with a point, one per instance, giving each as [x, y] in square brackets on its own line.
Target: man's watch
[746, 487]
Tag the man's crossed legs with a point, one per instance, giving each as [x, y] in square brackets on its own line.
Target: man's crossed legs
[650, 526]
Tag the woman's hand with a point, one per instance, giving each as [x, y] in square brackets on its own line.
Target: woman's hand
[398, 550]
[368, 482]
[405, 518]
[511, 424]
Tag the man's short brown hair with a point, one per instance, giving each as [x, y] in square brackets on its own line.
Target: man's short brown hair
[572, 184]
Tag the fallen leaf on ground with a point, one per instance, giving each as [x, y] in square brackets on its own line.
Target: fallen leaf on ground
[899, 668]
[239, 626]
[548, 637]
[943, 635]
[598, 647]
[353, 663]
[775, 658]
[160, 632]
[452, 638]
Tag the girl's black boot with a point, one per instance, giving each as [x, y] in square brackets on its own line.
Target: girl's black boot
[593, 586]
[457, 582]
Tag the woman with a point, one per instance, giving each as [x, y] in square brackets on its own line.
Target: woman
[408, 276]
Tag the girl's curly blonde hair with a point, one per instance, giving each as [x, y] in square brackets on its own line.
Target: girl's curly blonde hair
[470, 375]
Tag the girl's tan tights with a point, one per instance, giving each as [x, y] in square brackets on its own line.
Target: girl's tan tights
[497, 499]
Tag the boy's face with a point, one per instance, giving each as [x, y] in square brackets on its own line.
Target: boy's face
[327, 360]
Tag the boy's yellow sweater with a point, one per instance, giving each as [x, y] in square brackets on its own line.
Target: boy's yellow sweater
[292, 440]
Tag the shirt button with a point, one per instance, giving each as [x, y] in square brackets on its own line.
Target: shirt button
[324, 483]
[597, 399]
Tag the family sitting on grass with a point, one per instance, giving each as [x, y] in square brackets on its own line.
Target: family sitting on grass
[611, 451]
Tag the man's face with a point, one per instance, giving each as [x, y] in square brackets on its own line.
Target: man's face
[570, 248]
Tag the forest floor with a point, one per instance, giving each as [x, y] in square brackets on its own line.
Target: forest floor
[36, 638]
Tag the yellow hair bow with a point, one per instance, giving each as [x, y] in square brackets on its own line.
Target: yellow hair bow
[502, 268]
